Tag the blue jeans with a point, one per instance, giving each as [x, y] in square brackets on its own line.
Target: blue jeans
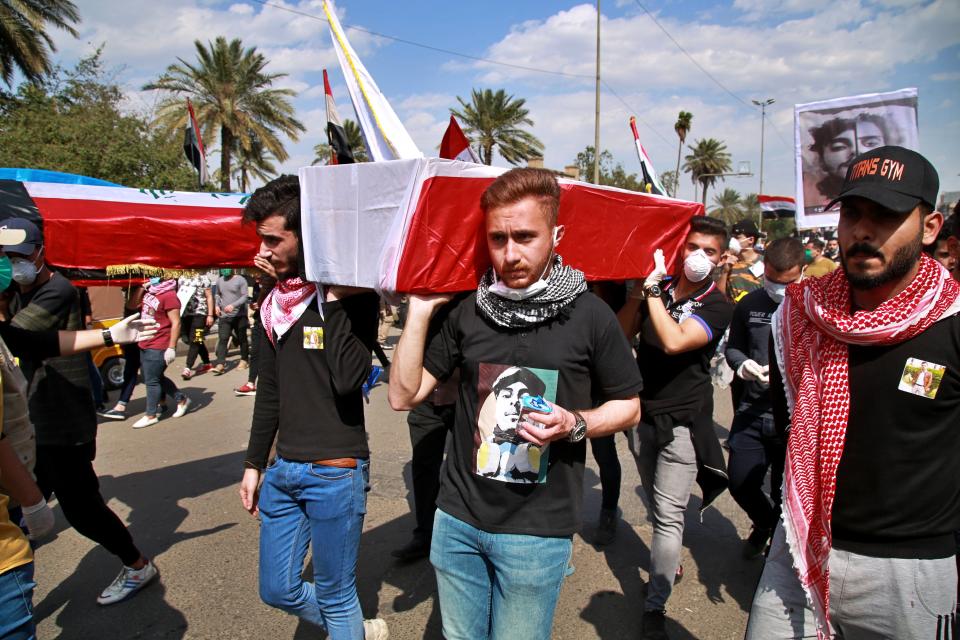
[152, 365]
[300, 503]
[752, 452]
[496, 585]
[16, 603]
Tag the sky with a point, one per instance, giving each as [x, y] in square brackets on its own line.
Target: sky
[794, 51]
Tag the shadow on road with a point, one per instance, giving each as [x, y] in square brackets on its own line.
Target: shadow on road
[155, 515]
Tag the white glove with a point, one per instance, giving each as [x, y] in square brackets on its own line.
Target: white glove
[39, 520]
[132, 329]
[659, 270]
[752, 370]
[169, 355]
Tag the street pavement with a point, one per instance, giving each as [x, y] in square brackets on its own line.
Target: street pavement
[175, 484]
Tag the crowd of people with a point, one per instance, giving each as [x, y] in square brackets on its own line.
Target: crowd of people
[845, 351]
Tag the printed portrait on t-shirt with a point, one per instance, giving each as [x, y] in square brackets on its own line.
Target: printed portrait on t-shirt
[921, 378]
[499, 451]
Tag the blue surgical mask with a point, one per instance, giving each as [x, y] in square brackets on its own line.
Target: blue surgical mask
[775, 290]
[499, 288]
[154, 281]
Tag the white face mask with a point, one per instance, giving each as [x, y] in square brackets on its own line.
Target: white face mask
[697, 266]
[24, 270]
[499, 288]
[775, 290]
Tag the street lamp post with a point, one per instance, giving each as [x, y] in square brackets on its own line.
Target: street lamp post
[763, 120]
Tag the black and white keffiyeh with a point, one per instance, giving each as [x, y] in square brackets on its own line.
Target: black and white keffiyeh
[564, 284]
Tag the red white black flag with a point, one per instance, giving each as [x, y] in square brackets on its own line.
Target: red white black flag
[340, 152]
[455, 145]
[193, 146]
[777, 206]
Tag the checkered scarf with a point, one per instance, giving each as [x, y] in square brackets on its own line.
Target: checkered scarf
[811, 332]
[564, 284]
[284, 305]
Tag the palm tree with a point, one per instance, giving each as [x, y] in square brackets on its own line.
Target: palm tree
[233, 98]
[354, 140]
[728, 206]
[670, 182]
[255, 162]
[494, 119]
[682, 126]
[751, 207]
[25, 45]
[709, 158]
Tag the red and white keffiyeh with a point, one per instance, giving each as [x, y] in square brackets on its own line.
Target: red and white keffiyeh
[811, 331]
[284, 305]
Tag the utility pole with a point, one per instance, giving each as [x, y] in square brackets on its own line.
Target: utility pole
[763, 121]
[596, 122]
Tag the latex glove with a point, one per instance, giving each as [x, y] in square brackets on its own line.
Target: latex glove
[132, 329]
[39, 520]
[169, 355]
[754, 371]
[659, 270]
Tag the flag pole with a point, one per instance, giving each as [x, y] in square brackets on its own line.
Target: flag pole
[596, 122]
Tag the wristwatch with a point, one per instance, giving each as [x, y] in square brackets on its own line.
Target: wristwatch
[107, 338]
[653, 291]
[579, 430]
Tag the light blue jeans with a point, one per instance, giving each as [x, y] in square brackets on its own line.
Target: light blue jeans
[496, 585]
[303, 503]
[16, 603]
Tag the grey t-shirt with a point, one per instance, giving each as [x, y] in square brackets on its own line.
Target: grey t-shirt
[232, 292]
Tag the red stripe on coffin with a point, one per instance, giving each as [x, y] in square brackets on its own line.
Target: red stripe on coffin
[95, 234]
[610, 234]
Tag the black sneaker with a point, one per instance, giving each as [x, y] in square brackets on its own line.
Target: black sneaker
[756, 543]
[654, 626]
[416, 549]
[606, 527]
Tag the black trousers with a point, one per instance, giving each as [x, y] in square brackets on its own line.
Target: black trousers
[68, 472]
[193, 331]
[225, 327]
[753, 450]
[428, 424]
[605, 453]
[255, 338]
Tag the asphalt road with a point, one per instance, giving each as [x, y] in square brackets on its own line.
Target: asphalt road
[175, 484]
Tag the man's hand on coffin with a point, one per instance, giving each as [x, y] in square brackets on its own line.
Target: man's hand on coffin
[548, 426]
[425, 305]
[659, 271]
[339, 292]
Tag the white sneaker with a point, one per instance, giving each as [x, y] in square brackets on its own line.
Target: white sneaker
[128, 583]
[146, 421]
[375, 629]
[182, 407]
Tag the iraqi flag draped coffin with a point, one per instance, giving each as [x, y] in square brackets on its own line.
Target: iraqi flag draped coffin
[117, 228]
[415, 226]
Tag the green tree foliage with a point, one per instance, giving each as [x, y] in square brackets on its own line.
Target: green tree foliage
[709, 157]
[728, 206]
[670, 182]
[72, 121]
[233, 98]
[25, 45]
[611, 175]
[682, 126]
[354, 138]
[495, 120]
[255, 162]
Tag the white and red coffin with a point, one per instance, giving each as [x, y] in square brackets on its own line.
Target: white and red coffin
[415, 226]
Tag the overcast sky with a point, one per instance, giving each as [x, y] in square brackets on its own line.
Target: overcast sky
[794, 51]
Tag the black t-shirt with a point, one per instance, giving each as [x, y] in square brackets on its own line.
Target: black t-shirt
[749, 340]
[898, 487]
[681, 380]
[493, 479]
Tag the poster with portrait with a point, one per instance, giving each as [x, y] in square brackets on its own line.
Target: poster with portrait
[830, 133]
[499, 452]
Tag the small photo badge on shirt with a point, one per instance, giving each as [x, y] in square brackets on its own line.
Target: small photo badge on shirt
[313, 337]
[921, 378]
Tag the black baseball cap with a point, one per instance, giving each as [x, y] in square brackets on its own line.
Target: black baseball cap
[893, 177]
[746, 227]
[32, 238]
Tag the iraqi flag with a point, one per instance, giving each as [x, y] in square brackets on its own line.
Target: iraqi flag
[650, 180]
[193, 146]
[455, 145]
[340, 151]
[777, 206]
